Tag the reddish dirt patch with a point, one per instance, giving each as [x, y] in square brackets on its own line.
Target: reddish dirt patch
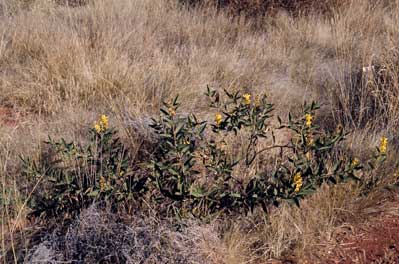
[374, 242]
[9, 117]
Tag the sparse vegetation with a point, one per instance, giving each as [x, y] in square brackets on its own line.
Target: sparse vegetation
[213, 178]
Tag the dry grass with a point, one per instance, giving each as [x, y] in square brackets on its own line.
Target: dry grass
[61, 66]
[98, 236]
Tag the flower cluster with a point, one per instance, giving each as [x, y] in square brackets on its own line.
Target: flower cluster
[171, 111]
[247, 99]
[355, 162]
[298, 181]
[102, 124]
[383, 145]
[308, 118]
[218, 119]
[102, 183]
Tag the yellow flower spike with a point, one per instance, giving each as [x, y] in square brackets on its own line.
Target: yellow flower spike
[383, 145]
[97, 127]
[104, 122]
[218, 119]
[247, 99]
[309, 119]
[298, 181]
[355, 162]
[102, 183]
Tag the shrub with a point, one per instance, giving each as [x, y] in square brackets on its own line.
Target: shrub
[258, 7]
[71, 176]
[192, 173]
[186, 156]
[72, 3]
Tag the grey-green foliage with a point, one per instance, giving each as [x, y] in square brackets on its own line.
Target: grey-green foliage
[190, 171]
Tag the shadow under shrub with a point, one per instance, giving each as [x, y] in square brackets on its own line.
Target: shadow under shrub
[253, 8]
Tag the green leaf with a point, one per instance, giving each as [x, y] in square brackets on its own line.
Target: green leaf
[336, 166]
[173, 172]
[164, 112]
[308, 190]
[235, 195]
[332, 180]
[93, 193]
[166, 135]
[296, 201]
[179, 127]
[197, 192]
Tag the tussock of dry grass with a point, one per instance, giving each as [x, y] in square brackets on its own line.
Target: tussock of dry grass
[61, 66]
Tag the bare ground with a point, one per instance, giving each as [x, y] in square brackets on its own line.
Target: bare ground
[373, 240]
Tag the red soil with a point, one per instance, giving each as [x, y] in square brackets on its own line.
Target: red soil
[376, 240]
[9, 117]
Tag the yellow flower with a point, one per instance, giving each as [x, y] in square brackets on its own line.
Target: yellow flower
[172, 111]
[309, 119]
[102, 183]
[247, 99]
[383, 145]
[355, 162]
[298, 181]
[104, 121]
[97, 127]
[102, 124]
[218, 119]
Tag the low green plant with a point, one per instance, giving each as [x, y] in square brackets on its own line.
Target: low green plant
[72, 176]
[191, 172]
[306, 162]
